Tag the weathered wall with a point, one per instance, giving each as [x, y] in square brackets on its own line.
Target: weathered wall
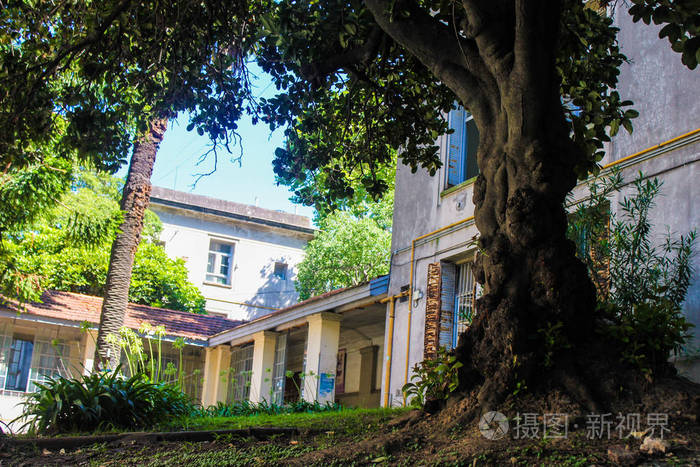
[666, 95]
[187, 235]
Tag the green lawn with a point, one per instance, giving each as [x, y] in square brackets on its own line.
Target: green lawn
[350, 421]
[337, 427]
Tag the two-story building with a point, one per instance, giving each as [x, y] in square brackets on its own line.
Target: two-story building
[243, 258]
[432, 249]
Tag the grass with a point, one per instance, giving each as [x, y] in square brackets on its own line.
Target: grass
[350, 421]
[252, 452]
[342, 426]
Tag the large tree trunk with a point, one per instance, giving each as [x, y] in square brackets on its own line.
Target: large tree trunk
[135, 199]
[538, 306]
[538, 309]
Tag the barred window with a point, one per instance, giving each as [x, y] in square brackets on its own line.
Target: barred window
[465, 300]
[241, 370]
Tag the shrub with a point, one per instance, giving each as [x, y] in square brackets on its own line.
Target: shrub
[649, 334]
[433, 380]
[101, 401]
[641, 287]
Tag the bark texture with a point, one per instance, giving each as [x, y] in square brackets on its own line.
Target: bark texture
[135, 200]
[538, 306]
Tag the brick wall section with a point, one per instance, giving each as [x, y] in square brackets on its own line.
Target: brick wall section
[432, 311]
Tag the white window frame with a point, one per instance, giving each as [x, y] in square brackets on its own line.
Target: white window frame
[210, 277]
[279, 370]
[51, 358]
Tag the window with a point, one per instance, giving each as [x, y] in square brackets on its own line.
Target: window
[462, 148]
[280, 271]
[241, 370]
[19, 363]
[192, 371]
[219, 263]
[51, 359]
[26, 361]
[449, 305]
[465, 297]
[279, 373]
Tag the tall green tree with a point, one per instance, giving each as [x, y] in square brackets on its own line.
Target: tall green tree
[539, 79]
[348, 250]
[115, 72]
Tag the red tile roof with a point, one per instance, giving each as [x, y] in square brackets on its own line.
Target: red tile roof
[78, 308]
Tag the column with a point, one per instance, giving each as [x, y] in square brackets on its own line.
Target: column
[216, 364]
[263, 366]
[88, 359]
[368, 375]
[321, 357]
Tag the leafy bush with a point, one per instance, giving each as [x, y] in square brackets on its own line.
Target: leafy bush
[649, 334]
[102, 400]
[433, 379]
[222, 409]
[641, 285]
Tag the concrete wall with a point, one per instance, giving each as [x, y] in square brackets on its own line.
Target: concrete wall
[665, 93]
[187, 235]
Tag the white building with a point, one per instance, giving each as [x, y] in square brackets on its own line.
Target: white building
[433, 222]
[243, 258]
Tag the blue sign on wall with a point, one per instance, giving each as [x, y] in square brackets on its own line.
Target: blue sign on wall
[325, 385]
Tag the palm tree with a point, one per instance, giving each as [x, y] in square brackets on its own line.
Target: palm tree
[135, 199]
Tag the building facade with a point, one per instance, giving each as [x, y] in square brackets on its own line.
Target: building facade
[243, 258]
[327, 349]
[56, 337]
[433, 229]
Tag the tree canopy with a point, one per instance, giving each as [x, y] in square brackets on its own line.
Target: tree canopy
[350, 249]
[67, 248]
[85, 78]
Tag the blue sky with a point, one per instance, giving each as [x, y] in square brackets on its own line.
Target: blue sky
[181, 149]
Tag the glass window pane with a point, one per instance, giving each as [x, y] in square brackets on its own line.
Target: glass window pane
[472, 146]
[223, 267]
[210, 262]
[280, 271]
[19, 363]
[221, 247]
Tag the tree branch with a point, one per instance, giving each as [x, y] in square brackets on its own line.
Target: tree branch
[453, 59]
[315, 72]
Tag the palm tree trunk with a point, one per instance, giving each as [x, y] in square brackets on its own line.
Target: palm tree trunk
[135, 199]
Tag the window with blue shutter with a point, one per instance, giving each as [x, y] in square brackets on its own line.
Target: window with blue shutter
[462, 147]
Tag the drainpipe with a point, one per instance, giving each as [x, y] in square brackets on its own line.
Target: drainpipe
[390, 343]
